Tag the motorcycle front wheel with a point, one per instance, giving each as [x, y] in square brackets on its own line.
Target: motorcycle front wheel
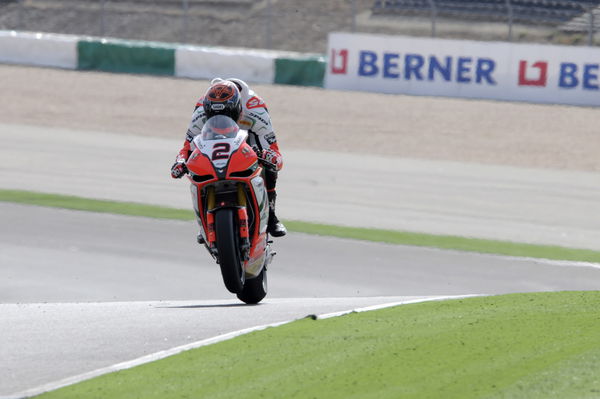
[255, 289]
[229, 250]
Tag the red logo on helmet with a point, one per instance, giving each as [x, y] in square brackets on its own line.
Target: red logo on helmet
[220, 92]
[255, 102]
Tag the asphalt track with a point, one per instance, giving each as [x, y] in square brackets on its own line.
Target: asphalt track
[497, 202]
[80, 291]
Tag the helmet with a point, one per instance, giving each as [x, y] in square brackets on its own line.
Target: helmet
[223, 98]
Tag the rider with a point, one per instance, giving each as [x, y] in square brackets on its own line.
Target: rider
[233, 98]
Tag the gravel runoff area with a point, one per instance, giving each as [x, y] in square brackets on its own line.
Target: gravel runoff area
[472, 131]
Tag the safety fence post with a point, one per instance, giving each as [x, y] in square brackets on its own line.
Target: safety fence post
[591, 27]
[102, 18]
[184, 23]
[433, 17]
[269, 15]
[20, 15]
[509, 10]
[354, 16]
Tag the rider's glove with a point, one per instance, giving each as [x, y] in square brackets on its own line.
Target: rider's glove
[257, 150]
[271, 157]
[178, 170]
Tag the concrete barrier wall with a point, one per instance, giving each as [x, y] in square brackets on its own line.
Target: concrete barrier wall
[208, 62]
[302, 71]
[129, 56]
[126, 57]
[40, 49]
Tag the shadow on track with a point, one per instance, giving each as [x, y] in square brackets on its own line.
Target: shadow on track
[225, 305]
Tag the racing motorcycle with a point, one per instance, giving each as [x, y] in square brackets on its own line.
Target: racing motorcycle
[231, 205]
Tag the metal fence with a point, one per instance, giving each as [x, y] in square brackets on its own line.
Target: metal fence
[303, 25]
[254, 23]
[560, 15]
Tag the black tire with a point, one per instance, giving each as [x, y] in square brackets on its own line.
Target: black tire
[255, 289]
[229, 251]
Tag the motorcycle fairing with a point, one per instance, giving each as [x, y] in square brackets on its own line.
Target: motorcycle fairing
[219, 151]
[221, 161]
[260, 191]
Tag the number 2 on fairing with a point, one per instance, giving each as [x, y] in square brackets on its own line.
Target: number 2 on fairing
[220, 151]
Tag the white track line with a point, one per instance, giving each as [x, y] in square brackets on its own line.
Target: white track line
[540, 261]
[563, 263]
[173, 351]
[389, 305]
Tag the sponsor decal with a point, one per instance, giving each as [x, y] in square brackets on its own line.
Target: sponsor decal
[217, 107]
[245, 124]
[339, 61]
[247, 152]
[573, 76]
[542, 74]
[421, 67]
[271, 138]
[198, 115]
[189, 136]
[255, 102]
[254, 115]
[570, 75]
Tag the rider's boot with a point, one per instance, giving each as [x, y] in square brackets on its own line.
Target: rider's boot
[274, 226]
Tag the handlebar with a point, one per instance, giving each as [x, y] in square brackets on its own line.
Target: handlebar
[268, 164]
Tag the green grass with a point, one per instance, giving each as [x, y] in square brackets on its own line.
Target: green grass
[377, 235]
[541, 345]
[94, 205]
[448, 242]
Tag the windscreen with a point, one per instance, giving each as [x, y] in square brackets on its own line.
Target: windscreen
[220, 127]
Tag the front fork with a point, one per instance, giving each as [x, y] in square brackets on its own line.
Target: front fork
[243, 222]
[210, 217]
[242, 214]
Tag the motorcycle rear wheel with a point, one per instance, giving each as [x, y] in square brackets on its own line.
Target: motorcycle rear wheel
[255, 289]
[229, 251]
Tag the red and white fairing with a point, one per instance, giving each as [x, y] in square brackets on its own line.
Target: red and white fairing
[225, 173]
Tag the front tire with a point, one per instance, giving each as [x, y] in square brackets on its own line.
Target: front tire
[255, 289]
[229, 251]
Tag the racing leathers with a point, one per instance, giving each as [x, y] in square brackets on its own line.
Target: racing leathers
[261, 136]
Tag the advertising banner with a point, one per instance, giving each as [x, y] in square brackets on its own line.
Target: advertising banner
[463, 68]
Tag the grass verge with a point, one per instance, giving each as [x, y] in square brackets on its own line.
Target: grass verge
[376, 235]
[94, 205]
[541, 345]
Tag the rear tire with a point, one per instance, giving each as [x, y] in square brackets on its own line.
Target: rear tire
[229, 251]
[255, 289]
